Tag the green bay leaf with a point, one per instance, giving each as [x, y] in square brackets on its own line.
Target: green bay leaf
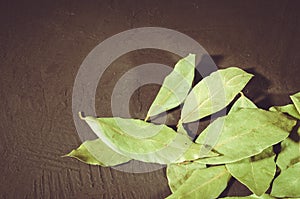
[213, 93]
[204, 183]
[177, 174]
[289, 154]
[175, 87]
[181, 129]
[253, 196]
[290, 109]
[242, 102]
[143, 141]
[296, 100]
[248, 130]
[287, 184]
[95, 152]
[256, 172]
[196, 151]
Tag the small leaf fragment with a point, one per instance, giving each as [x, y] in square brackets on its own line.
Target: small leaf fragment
[287, 184]
[296, 100]
[96, 152]
[289, 154]
[175, 87]
[256, 172]
[290, 109]
[248, 130]
[214, 93]
[177, 174]
[242, 102]
[204, 183]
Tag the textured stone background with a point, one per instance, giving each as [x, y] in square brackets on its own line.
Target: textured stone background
[42, 44]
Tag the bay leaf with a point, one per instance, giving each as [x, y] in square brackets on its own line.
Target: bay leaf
[289, 154]
[181, 129]
[141, 140]
[204, 183]
[290, 109]
[287, 184]
[213, 93]
[296, 100]
[95, 152]
[253, 196]
[175, 87]
[248, 130]
[178, 173]
[242, 102]
[256, 172]
[196, 151]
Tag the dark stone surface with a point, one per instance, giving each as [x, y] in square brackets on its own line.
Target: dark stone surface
[42, 44]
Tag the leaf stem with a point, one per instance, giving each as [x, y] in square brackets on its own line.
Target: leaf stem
[147, 118]
[81, 115]
[179, 123]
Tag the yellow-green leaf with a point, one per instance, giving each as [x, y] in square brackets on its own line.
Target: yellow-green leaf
[204, 183]
[95, 152]
[177, 174]
[248, 130]
[196, 151]
[141, 140]
[287, 184]
[181, 129]
[296, 100]
[253, 196]
[242, 102]
[290, 153]
[256, 172]
[290, 109]
[213, 93]
[175, 87]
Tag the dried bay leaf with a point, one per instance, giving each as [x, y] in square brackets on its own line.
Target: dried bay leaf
[248, 130]
[95, 152]
[290, 109]
[213, 93]
[175, 87]
[195, 151]
[296, 100]
[253, 196]
[177, 174]
[289, 154]
[242, 102]
[204, 183]
[256, 172]
[144, 141]
[287, 184]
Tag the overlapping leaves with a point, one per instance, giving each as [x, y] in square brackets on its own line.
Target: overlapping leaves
[239, 144]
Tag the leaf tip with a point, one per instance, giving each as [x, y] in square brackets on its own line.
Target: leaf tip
[191, 58]
[67, 155]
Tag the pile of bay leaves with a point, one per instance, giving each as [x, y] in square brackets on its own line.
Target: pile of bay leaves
[239, 144]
